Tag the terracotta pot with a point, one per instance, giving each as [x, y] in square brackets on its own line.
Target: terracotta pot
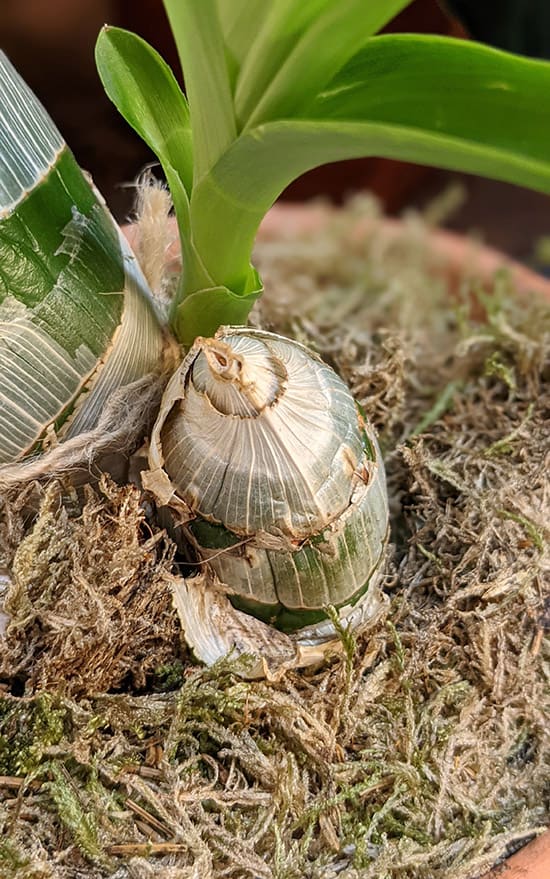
[530, 862]
[459, 258]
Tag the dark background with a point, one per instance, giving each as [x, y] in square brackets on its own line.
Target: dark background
[51, 43]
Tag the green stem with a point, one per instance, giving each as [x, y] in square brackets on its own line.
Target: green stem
[218, 284]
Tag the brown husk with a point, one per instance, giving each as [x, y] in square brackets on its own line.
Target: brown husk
[421, 751]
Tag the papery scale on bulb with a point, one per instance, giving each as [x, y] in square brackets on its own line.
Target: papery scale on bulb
[241, 384]
[278, 480]
[268, 457]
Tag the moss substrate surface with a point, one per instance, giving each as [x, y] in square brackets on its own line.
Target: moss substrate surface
[421, 751]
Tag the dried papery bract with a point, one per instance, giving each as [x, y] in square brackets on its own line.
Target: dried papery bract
[279, 488]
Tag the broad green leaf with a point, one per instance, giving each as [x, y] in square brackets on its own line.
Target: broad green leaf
[330, 38]
[144, 90]
[240, 21]
[446, 86]
[197, 31]
[431, 100]
[284, 22]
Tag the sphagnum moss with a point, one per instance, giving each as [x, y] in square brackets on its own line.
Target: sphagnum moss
[421, 752]
[27, 729]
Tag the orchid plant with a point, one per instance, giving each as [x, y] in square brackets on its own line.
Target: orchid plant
[275, 89]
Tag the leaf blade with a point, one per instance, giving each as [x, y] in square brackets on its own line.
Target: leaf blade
[442, 84]
[71, 293]
[144, 90]
[240, 21]
[330, 37]
[263, 161]
[199, 41]
[283, 25]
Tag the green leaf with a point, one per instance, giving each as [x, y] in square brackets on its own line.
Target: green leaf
[144, 90]
[449, 88]
[203, 312]
[332, 33]
[197, 31]
[282, 26]
[240, 21]
[432, 100]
